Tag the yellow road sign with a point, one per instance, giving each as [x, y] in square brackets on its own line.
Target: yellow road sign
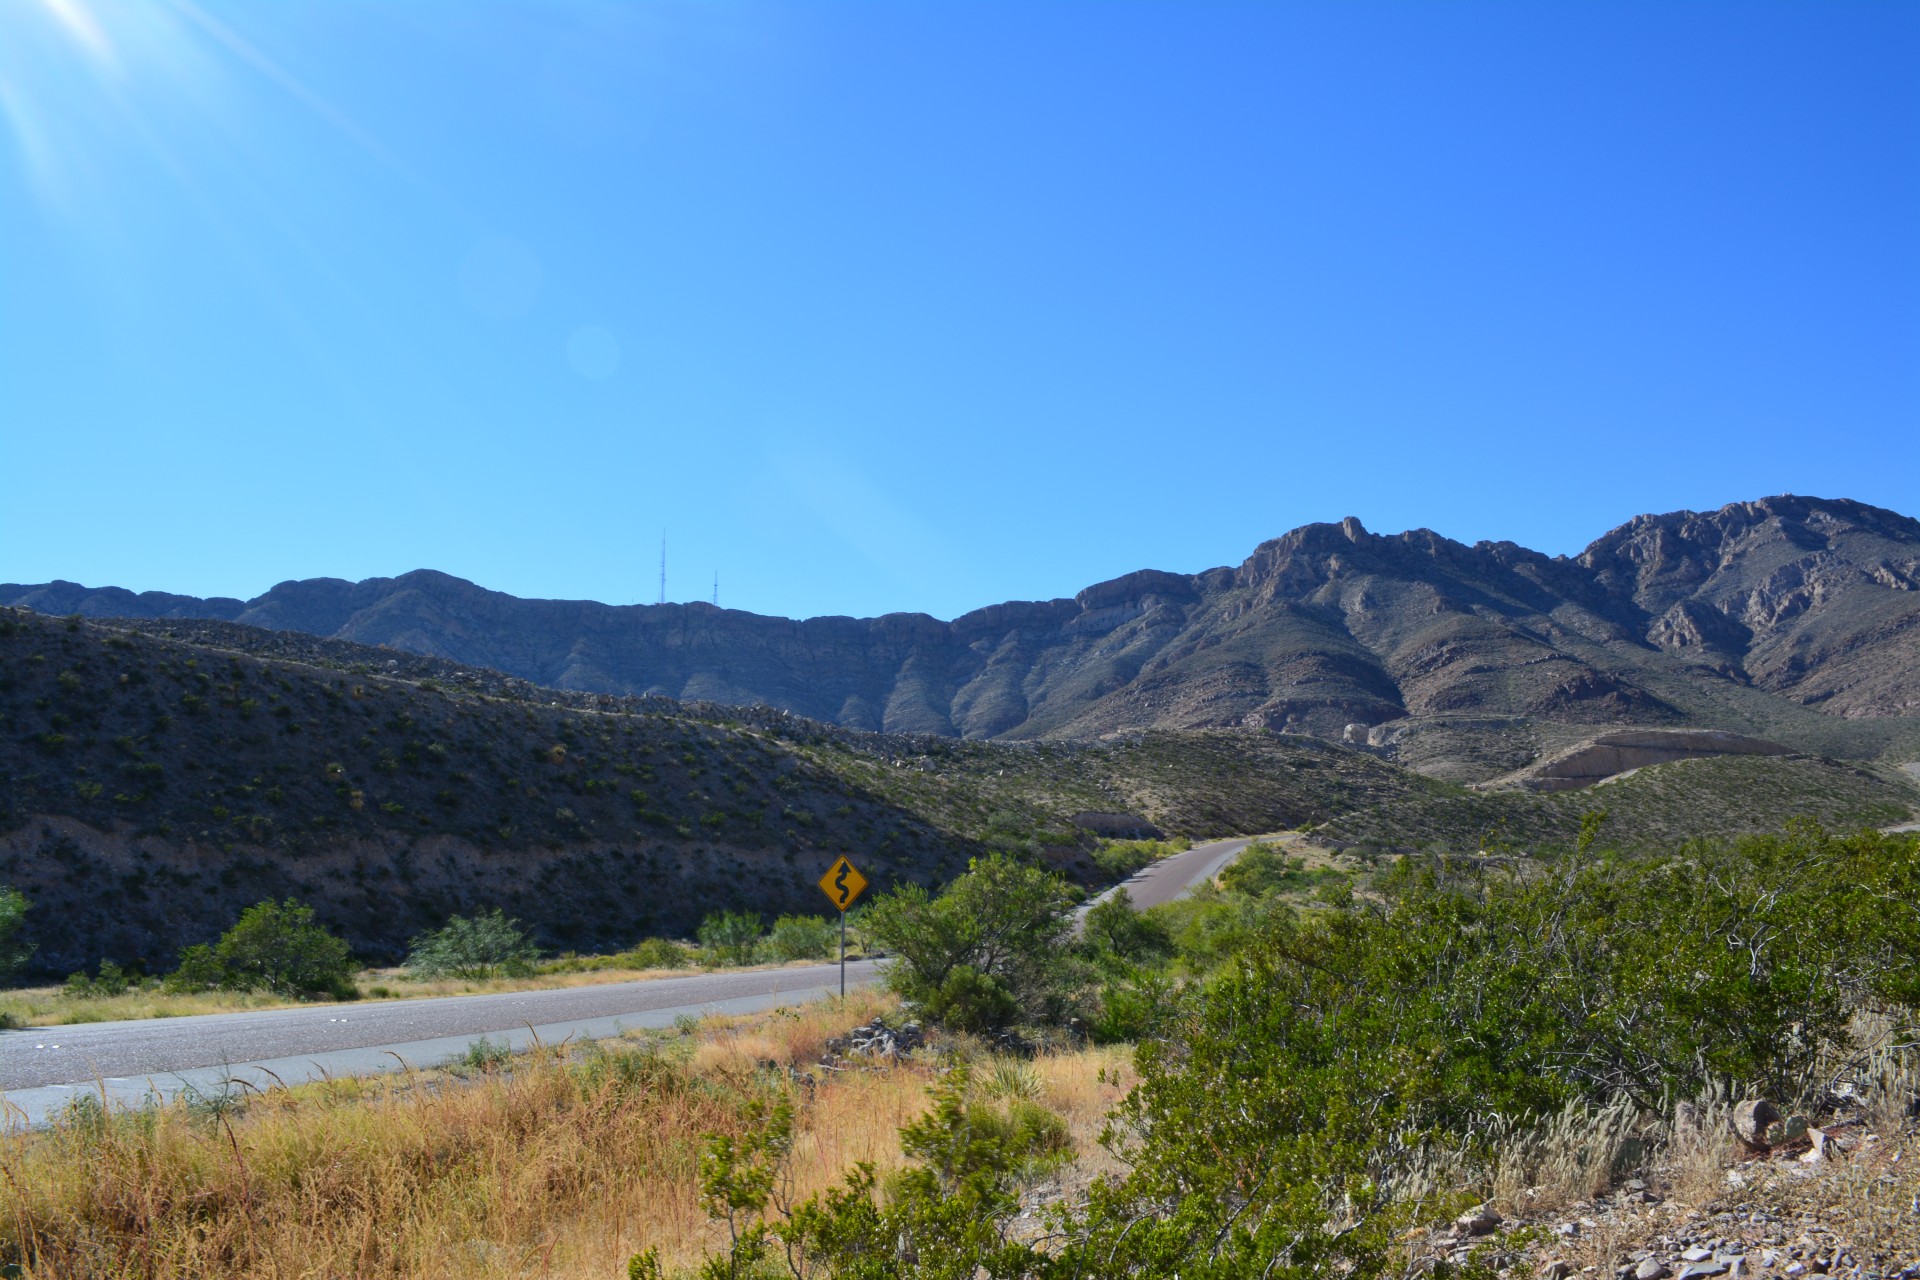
[842, 883]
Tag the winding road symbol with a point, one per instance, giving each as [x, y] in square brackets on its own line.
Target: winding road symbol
[843, 883]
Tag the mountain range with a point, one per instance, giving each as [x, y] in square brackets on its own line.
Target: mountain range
[1792, 617]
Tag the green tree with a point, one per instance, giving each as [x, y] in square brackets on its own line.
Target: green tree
[473, 948]
[992, 948]
[13, 910]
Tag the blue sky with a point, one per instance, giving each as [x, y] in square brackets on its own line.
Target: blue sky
[879, 307]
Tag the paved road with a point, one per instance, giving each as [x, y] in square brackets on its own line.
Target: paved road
[1175, 877]
[44, 1068]
[41, 1068]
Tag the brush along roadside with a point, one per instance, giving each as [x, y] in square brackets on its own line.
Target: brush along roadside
[560, 1162]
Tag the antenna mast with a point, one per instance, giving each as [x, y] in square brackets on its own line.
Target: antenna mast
[716, 588]
[663, 566]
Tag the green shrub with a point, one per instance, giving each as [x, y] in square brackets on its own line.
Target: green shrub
[659, 953]
[969, 1000]
[13, 911]
[273, 947]
[802, 938]
[1114, 931]
[1263, 870]
[484, 1055]
[110, 980]
[730, 937]
[1118, 859]
[199, 969]
[988, 950]
[473, 948]
[946, 1215]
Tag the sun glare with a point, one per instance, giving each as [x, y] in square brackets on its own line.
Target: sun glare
[80, 23]
[81, 81]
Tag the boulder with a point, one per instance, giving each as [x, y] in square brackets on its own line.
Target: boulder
[1477, 1222]
[1751, 1119]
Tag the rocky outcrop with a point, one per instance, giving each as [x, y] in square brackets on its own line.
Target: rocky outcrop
[1811, 600]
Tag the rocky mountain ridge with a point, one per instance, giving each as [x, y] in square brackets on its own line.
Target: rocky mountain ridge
[1776, 617]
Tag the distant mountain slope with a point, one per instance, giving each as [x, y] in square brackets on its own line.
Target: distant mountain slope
[151, 787]
[1775, 617]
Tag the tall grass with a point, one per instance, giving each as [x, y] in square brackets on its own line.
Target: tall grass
[560, 1164]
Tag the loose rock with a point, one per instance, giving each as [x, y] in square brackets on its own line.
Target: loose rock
[1751, 1120]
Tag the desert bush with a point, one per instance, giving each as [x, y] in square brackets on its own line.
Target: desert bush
[660, 953]
[13, 910]
[990, 949]
[1118, 859]
[801, 938]
[109, 980]
[944, 1215]
[1114, 931]
[273, 947]
[1263, 869]
[730, 937]
[473, 948]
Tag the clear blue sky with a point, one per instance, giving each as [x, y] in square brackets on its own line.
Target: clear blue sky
[882, 306]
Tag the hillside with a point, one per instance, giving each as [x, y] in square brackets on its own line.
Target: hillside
[154, 787]
[151, 787]
[1795, 619]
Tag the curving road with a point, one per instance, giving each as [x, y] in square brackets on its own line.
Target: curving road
[43, 1068]
[1170, 878]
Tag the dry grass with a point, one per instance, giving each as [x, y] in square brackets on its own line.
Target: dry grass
[1866, 1199]
[561, 1166]
[1568, 1158]
[53, 1006]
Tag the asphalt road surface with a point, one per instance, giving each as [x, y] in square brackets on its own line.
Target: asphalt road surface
[1175, 877]
[43, 1068]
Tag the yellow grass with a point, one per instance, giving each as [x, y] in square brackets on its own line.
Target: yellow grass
[561, 1166]
[52, 1006]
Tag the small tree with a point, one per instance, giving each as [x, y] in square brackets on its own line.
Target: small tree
[729, 936]
[274, 946]
[473, 948]
[13, 910]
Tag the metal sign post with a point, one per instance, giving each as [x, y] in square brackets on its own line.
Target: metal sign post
[842, 884]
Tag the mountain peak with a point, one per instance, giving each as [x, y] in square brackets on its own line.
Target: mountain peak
[1784, 605]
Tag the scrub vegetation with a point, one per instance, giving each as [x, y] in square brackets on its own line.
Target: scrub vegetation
[1298, 1070]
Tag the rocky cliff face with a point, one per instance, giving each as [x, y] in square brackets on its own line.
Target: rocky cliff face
[1813, 601]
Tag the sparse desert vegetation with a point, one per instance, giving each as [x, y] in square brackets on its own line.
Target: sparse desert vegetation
[563, 1162]
[156, 788]
[1440, 1068]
